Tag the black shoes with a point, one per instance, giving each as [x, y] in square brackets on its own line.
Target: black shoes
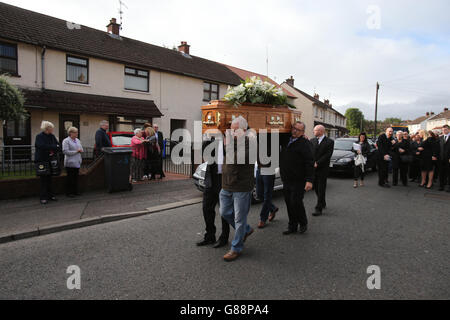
[205, 242]
[220, 244]
[386, 185]
[303, 229]
[317, 213]
[289, 231]
[44, 202]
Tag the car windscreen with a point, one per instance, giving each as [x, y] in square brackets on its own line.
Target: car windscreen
[121, 140]
[346, 145]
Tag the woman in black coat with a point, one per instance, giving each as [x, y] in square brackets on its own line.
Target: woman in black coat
[47, 146]
[414, 166]
[365, 149]
[425, 151]
[400, 159]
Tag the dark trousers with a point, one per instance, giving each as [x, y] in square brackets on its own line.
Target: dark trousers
[320, 187]
[46, 188]
[414, 169]
[382, 172]
[359, 173]
[293, 196]
[72, 180]
[210, 200]
[264, 190]
[444, 177]
[401, 168]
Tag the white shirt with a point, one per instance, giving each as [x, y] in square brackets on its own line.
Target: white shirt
[446, 137]
[320, 139]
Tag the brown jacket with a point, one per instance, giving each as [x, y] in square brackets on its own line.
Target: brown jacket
[238, 177]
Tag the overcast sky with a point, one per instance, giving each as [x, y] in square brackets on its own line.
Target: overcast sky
[337, 48]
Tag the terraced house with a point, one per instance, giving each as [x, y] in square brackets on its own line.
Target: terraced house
[73, 75]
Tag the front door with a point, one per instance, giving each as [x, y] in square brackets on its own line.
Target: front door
[65, 122]
[17, 135]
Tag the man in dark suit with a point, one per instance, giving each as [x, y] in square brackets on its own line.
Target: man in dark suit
[384, 144]
[102, 138]
[213, 185]
[323, 148]
[160, 138]
[297, 172]
[444, 143]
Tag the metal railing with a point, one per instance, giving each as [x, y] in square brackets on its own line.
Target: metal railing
[168, 165]
[18, 161]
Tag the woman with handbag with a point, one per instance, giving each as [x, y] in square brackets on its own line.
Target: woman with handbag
[46, 160]
[72, 150]
[361, 159]
[400, 159]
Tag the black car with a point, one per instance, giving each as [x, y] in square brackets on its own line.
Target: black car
[343, 158]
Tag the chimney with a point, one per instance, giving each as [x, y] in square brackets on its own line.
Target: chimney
[316, 96]
[327, 102]
[427, 114]
[184, 47]
[113, 27]
[445, 109]
[290, 81]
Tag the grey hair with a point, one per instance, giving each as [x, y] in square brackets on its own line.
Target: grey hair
[137, 131]
[103, 122]
[72, 129]
[46, 125]
[243, 124]
[301, 123]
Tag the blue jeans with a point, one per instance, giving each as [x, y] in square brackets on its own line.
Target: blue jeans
[234, 208]
[264, 190]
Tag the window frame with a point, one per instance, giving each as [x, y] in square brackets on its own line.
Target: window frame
[210, 91]
[14, 45]
[78, 65]
[136, 74]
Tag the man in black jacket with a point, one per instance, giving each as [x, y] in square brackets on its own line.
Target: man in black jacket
[160, 138]
[101, 138]
[213, 185]
[323, 148]
[444, 143]
[384, 144]
[297, 171]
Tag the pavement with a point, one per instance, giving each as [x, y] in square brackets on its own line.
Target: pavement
[27, 218]
[403, 230]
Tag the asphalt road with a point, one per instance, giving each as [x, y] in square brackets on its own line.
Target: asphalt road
[404, 231]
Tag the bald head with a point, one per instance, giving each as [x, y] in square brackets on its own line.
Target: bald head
[319, 131]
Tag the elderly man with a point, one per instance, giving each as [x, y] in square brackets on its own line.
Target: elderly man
[160, 139]
[101, 138]
[384, 144]
[237, 184]
[444, 143]
[323, 148]
[297, 171]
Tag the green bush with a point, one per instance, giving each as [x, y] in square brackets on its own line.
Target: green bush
[11, 101]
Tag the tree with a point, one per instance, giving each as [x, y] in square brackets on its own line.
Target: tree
[393, 121]
[11, 102]
[354, 118]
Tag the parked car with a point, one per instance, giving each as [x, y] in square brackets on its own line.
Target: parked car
[199, 180]
[120, 139]
[343, 158]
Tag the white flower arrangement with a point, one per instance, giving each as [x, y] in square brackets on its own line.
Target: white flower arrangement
[256, 91]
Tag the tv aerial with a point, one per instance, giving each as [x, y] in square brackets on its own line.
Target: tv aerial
[121, 6]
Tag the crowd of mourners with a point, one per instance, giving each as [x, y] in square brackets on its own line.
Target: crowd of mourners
[146, 158]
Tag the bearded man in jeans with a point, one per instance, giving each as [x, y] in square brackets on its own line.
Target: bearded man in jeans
[237, 184]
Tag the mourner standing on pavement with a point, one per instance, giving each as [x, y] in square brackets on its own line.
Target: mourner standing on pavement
[101, 138]
[297, 173]
[213, 185]
[238, 181]
[72, 149]
[444, 143]
[384, 145]
[322, 151]
[401, 158]
[360, 165]
[160, 138]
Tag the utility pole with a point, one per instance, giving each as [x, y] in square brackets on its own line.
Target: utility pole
[376, 110]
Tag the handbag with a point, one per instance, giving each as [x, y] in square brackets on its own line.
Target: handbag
[407, 158]
[55, 165]
[42, 168]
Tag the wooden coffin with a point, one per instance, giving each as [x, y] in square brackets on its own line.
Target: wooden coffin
[219, 115]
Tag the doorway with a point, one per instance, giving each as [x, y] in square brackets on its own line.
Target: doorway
[65, 122]
[17, 133]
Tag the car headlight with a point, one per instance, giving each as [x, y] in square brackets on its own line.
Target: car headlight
[344, 160]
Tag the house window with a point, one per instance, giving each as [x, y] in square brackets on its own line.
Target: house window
[8, 58]
[316, 110]
[127, 124]
[77, 70]
[210, 91]
[136, 79]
